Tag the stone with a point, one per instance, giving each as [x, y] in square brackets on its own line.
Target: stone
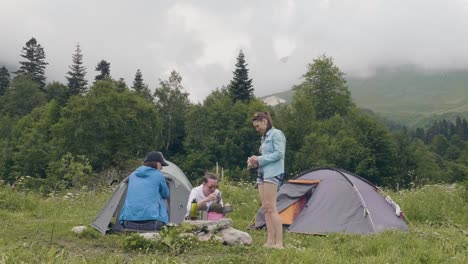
[233, 236]
[79, 229]
[151, 236]
[208, 236]
[224, 223]
[204, 236]
[220, 230]
[210, 226]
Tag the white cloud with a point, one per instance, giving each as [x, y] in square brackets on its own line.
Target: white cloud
[201, 39]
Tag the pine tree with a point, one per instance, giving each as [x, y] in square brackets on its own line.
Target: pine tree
[459, 127]
[141, 88]
[121, 85]
[240, 88]
[465, 129]
[104, 68]
[34, 64]
[76, 76]
[138, 84]
[4, 80]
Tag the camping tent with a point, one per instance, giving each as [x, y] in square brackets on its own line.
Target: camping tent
[179, 191]
[328, 200]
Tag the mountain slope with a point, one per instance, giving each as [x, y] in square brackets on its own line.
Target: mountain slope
[409, 95]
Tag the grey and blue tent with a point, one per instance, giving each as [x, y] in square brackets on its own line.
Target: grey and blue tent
[329, 200]
[179, 191]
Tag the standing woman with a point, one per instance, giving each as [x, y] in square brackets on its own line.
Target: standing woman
[270, 174]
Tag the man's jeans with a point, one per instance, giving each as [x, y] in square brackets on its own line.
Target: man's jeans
[143, 225]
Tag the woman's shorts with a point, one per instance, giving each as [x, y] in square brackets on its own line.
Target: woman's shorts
[275, 180]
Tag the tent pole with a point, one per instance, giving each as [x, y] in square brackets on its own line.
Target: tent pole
[366, 210]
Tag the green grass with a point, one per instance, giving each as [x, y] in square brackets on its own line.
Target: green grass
[36, 229]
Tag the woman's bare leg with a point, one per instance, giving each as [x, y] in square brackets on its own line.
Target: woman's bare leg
[270, 239]
[271, 212]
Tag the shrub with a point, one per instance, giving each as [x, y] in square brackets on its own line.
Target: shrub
[14, 201]
[464, 186]
[171, 242]
[135, 242]
[72, 170]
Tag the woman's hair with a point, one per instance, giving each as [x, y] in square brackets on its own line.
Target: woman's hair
[263, 115]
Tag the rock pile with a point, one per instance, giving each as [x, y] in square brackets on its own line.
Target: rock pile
[220, 230]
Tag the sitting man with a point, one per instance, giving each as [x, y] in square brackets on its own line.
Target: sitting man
[206, 194]
[144, 207]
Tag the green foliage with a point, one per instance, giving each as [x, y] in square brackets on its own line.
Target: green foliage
[13, 201]
[325, 82]
[23, 95]
[28, 184]
[175, 243]
[77, 75]
[58, 92]
[413, 96]
[464, 185]
[103, 67]
[6, 146]
[172, 104]
[120, 85]
[138, 84]
[220, 131]
[34, 63]
[241, 88]
[4, 80]
[107, 126]
[136, 242]
[331, 145]
[439, 145]
[297, 121]
[357, 143]
[171, 242]
[427, 169]
[409, 96]
[31, 136]
[75, 171]
[110, 125]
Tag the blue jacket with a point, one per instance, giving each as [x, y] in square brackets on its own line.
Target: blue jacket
[146, 192]
[273, 150]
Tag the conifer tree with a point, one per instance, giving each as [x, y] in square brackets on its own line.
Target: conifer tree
[104, 68]
[76, 76]
[138, 84]
[141, 88]
[121, 85]
[240, 88]
[34, 63]
[4, 80]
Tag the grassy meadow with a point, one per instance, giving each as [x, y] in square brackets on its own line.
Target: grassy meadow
[37, 229]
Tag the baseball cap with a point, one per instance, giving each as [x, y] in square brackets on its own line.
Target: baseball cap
[156, 156]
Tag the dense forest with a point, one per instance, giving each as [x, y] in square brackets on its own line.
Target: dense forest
[60, 135]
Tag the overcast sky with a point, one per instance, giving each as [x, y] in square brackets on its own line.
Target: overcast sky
[201, 38]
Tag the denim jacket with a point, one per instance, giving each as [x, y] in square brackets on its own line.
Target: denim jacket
[273, 149]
